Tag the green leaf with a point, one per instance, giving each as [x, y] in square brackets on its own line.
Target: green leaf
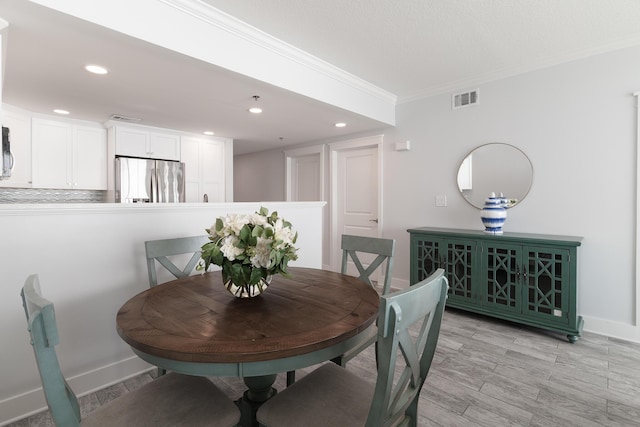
[245, 233]
[257, 231]
[268, 233]
[256, 276]
[211, 254]
[237, 274]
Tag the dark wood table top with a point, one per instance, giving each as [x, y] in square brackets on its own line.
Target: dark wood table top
[197, 320]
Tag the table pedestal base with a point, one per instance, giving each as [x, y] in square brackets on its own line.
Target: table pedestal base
[259, 390]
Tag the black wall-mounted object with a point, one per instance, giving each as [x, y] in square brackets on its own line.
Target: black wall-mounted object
[7, 157]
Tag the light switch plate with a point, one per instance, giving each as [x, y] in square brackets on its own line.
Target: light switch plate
[441, 201]
[403, 146]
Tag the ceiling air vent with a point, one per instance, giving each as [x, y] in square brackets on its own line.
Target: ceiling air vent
[464, 99]
[123, 118]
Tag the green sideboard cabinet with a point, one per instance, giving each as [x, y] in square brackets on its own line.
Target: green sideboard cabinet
[525, 278]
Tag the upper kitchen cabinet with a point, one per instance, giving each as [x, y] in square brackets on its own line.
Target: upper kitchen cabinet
[145, 143]
[205, 171]
[68, 156]
[19, 124]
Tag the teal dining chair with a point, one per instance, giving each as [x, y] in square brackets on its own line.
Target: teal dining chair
[159, 251]
[171, 400]
[353, 248]
[165, 251]
[408, 329]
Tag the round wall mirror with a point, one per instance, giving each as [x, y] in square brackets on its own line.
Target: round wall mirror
[495, 168]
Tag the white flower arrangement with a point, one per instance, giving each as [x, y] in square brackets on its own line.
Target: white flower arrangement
[249, 247]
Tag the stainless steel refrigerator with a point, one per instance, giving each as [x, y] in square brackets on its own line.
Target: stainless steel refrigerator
[149, 181]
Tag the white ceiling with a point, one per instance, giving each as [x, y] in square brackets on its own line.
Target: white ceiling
[415, 48]
[410, 48]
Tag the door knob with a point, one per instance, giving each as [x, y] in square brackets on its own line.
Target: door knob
[374, 220]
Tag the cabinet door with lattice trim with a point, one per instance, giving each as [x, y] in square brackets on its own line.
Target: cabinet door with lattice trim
[459, 258]
[547, 284]
[425, 257]
[500, 286]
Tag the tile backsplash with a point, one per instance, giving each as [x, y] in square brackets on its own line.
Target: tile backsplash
[45, 195]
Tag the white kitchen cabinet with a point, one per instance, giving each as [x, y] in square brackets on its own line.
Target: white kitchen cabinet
[90, 158]
[19, 124]
[141, 142]
[164, 146]
[68, 156]
[205, 172]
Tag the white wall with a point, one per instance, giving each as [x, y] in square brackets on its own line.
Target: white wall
[90, 259]
[259, 176]
[577, 124]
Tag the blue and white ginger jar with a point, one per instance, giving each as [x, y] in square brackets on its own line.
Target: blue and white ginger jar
[493, 214]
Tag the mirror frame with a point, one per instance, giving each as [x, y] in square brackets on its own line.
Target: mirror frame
[479, 204]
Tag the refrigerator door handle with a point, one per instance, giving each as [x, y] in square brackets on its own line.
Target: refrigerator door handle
[153, 191]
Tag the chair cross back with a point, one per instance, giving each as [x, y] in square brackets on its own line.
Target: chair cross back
[396, 393]
[408, 328]
[351, 246]
[160, 250]
[383, 248]
[195, 401]
[41, 320]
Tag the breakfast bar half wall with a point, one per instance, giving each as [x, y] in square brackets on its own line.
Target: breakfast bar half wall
[91, 259]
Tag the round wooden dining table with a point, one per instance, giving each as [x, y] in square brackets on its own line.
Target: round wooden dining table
[195, 326]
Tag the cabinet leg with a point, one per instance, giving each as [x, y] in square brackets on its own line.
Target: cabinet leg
[573, 338]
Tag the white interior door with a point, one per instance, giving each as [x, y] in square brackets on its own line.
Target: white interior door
[356, 190]
[305, 178]
[305, 181]
[305, 174]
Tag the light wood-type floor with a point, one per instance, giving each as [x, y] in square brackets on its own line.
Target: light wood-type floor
[492, 373]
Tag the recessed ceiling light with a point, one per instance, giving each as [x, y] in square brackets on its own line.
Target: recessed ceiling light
[340, 125]
[96, 69]
[59, 111]
[208, 132]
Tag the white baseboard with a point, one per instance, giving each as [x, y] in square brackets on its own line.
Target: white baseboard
[32, 402]
[399, 283]
[612, 329]
[396, 284]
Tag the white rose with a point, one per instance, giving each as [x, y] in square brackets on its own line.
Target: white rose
[257, 219]
[262, 253]
[229, 249]
[233, 223]
[285, 234]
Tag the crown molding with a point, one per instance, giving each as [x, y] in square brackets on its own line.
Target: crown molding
[237, 28]
[185, 26]
[515, 71]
